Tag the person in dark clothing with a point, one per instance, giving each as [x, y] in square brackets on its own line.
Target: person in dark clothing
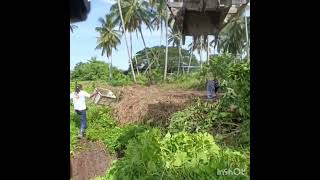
[212, 88]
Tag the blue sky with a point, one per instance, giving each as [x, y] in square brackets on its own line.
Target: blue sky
[83, 40]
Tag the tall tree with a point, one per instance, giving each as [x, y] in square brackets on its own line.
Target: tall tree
[191, 54]
[108, 39]
[175, 37]
[135, 14]
[160, 7]
[232, 38]
[166, 59]
[124, 32]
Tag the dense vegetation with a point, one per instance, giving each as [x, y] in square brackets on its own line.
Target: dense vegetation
[199, 140]
[98, 70]
[157, 55]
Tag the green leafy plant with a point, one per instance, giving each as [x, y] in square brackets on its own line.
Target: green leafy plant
[176, 156]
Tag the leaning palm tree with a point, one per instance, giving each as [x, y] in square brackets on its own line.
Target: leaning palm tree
[125, 37]
[135, 14]
[108, 40]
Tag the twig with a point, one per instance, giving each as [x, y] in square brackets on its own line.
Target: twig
[230, 123]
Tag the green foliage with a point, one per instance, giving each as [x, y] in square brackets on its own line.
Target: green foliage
[185, 81]
[103, 127]
[94, 70]
[109, 37]
[233, 37]
[178, 156]
[229, 118]
[157, 58]
[74, 130]
[200, 141]
[142, 80]
[120, 79]
[234, 76]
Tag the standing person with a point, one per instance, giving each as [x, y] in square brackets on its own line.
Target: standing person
[79, 103]
[212, 88]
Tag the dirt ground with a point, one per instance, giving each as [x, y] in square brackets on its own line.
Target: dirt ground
[89, 162]
[140, 103]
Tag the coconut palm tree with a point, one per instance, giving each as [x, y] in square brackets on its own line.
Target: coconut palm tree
[175, 38]
[162, 11]
[232, 37]
[190, 58]
[125, 37]
[108, 40]
[197, 44]
[160, 7]
[135, 14]
[166, 59]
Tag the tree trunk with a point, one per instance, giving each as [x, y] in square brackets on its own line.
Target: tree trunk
[191, 53]
[130, 35]
[160, 32]
[147, 52]
[125, 37]
[179, 63]
[208, 49]
[200, 53]
[110, 69]
[166, 60]
[132, 55]
[135, 58]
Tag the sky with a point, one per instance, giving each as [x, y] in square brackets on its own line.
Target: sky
[83, 40]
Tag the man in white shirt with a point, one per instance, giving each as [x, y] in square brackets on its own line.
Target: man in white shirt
[79, 103]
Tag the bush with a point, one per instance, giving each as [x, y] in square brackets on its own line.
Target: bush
[178, 156]
[103, 127]
[73, 136]
[229, 118]
[185, 81]
[90, 71]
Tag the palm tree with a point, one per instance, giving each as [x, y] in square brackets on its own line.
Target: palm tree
[232, 37]
[166, 59]
[191, 54]
[108, 40]
[206, 45]
[157, 22]
[135, 14]
[125, 37]
[197, 45]
[175, 38]
[208, 48]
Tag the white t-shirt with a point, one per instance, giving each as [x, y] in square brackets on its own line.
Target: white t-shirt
[79, 100]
